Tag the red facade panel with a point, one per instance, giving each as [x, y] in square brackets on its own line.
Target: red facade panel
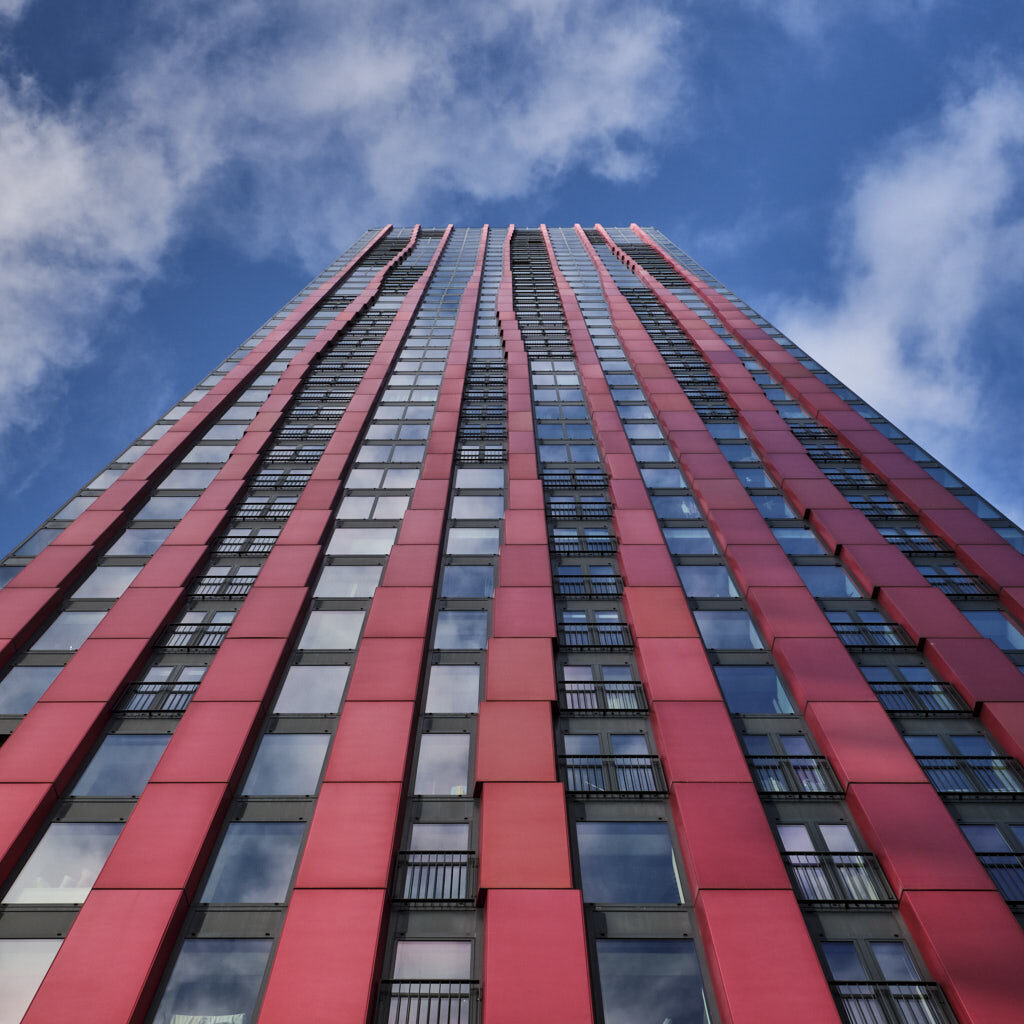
[515, 742]
[820, 670]
[976, 667]
[386, 668]
[535, 974]
[243, 670]
[524, 565]
[788, 612]
[524, 840]
[523, 612]
[140, 612]
[49, 743]
[925, 612]
[372, 742]
[351, 839]
[399, 612]
[98, 670]
[697, 742]
[676, 669]
[324, 967]
[22, 810]
[520, 668]
[270, 612]
[209, 743]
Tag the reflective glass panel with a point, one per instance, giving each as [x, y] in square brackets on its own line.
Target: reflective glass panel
[468, 581]
[827, 581]
[215, 980]
[461, 631]
[165, 508]
[453, 690]
[706, 581]
[727, 630]
[23, 965]
[287, 764]
[121, 766]
[419, 959]
[472, 540]
[65, 864]
[108, 581]
[312, 690]
[442, 768]
[430, 836]
[362, 541]
[348, 581]
[138, 542]
[254, 863]
[650, 980]
[753, 690]
[23, 686]
[478, 506]
[68, 631]
[627, 862]
[332, 630]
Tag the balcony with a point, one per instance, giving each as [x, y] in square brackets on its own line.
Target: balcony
[917, 543]
[866, 637]
[882, 508]
[270, 510]
[1007, 871]
[794, 776]
[280, 480]
[854, 479]
[920, 700]
[963, 588]
[973, 777]
[226, 588]
[246, 544]
[303, 455]
[481, 454]
[595, 636]
[595, 587]
[436, 876]
[831, 453]
[429, 1002]
[571, 508]
[144, 699]
[892, 1002]
[839, 880]
[573, 480]
[608, 775]
[597, 698]
[606, 545]
[200, 636]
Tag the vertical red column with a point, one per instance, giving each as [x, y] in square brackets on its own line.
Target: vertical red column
[763, 966]
[105, 972]
[892, 801]
[530, 973]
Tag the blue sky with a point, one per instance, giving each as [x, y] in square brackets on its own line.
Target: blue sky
[172, 172]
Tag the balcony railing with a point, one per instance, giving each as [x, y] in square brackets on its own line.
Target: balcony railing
[594, 636]
[1007, 871]
[793, 776]
[920, 699]
[974, 776]
[963, 587]
[838, 879]
[156, 698]
[882, 508]
[918, 544]
[436, 876]
[484, 411]
[480, 454]
[892, 1002]
[280, 480]
[603, 775]
[583, 545]
[600, 587]
[270, 510]
[569, 508]
[831, 453]
[853, 478]
[599, 698]
[302, 455]
[869, 636]
[573, 480]
[199, 636]
[227, 588]
[429, 1002]
[250, 544]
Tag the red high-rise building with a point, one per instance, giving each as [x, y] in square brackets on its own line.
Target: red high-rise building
[516, 629]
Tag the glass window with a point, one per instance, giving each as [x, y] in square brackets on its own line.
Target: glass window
[121, 766]
[74, 507]
[453, 690]
[255, 862]
[468, 581]
[478, 506]
[655, 980]
[772, 506]
[287, 764]
[753, 476]
[442, 768]
[23, 965]
[627, 862]
[352, 540]
[421, 959]
[706, 581]
[997, 627]
[400, 479]
[669, 478]
[138, 542]
[827, 581]
[675, 506]
[430, 836]
[332, 631]
[979, 507]
[796, 541]
[209, 453]
[727, 630]
[105, 479]
[64, 866]
[477, 540]
[37, 542]
[480, 479]
[107, 582]
[312, 690]
[348, 581]
[165, 508]
[461, 631]
[689, 540]
[23, 686]
[215, 980]
[188, 479]
[753, 690]
[68, 631]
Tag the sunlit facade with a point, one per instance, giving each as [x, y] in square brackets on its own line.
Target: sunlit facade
[516, 629]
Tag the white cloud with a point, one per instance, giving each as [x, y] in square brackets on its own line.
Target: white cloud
[929, 239]
[333, 115]
[12, 8]
[809, 19]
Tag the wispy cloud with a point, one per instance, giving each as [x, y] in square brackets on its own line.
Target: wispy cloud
[291, 125]
[929, 239]
[808, 20]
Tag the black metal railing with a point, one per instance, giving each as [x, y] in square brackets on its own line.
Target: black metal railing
[794, 776]
[612, 775]
[966, 776]
[892, 1002]
[429, 1002]
[573, 480]
[838, 879]
[436, 876]
[226, 588]
[249, 544]
[281, 479]
[831, 453]
[917, 544]
[882, 508]
[477, 454]
[583, 545]
[270, 510]
[920, 699]
[594, 636]
[199, 635]
[601, 587]
[964, 587]
[1007, 871]
[302, 455]
[853, 478]
[867, 636]
[588, 508]
[156, 698]
[601, 698]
